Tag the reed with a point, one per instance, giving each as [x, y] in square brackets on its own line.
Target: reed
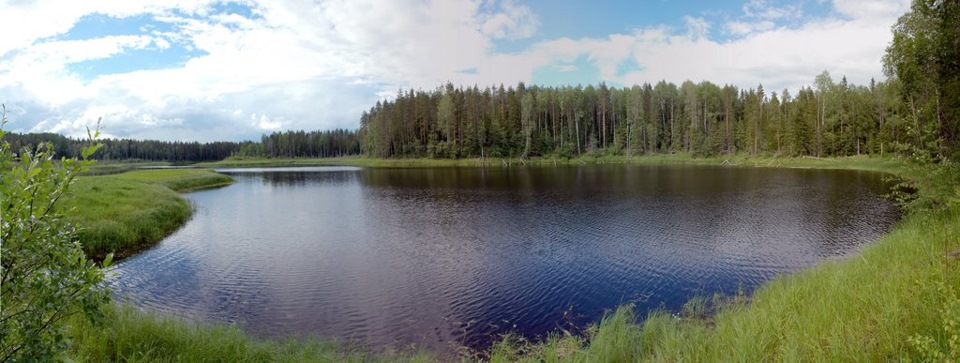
[129, 335]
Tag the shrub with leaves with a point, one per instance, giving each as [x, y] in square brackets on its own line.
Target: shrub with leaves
[44, 275]
[928, 347]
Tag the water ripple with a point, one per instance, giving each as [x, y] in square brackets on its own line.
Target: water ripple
[458, 256]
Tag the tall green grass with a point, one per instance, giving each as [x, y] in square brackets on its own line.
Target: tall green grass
[127, 212]
[128, 335]
[103, 167]
[886, 164]
[178, 180]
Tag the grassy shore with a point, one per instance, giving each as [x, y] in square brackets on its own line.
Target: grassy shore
[129, 335]
[118, 167]
[124, 213]
[889, 165]
[876, 306]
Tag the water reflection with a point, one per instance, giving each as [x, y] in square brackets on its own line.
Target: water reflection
[445, 256]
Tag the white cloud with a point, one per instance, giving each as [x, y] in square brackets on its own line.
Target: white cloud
[514, 22]
[777, 57]
[73, 51]
[304, 64]
[38, 19]
[763, 9]
[878, 10]
[265, 123]
[697, 27]
[741, 28]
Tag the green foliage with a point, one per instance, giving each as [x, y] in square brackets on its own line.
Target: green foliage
[703, 119]
[924, 56]
[289, 144]
[45, 276]
[128, 335]
[327, 143]
[928, 347]
[928, 171]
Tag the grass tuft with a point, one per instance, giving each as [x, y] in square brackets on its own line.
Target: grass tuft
[127, 212]
[129, 335]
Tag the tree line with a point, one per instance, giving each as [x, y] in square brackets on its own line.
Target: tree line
[328, 143]
[313, 144]
[127, 149]
[830, 119]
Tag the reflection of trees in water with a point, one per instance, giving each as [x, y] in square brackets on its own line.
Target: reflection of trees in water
[303, 178]
[438, 178]
[493, 178]
[847, 213]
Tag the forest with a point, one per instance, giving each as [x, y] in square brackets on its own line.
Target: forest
[289, 144]
[703, 119]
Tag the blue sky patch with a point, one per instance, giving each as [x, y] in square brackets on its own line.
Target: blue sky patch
[97, 25]
[233, 7]
[473, 70]
[626, 66]
[132, 60]
[149, 58]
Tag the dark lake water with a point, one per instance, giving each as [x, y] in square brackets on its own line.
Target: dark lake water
[444, 257]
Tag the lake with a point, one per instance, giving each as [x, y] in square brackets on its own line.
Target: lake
[447, 257]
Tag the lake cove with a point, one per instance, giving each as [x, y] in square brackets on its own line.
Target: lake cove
[444, 257]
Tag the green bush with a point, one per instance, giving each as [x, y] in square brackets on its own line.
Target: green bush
[45, 276]
[928, 346]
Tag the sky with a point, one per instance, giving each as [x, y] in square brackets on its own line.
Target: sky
[234, 70]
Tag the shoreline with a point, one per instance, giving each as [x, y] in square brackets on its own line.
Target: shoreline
[870, 163]
[797, 315]
[129, 212]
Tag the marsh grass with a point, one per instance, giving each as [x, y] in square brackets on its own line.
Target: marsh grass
[129, 335]
[127, 212]
[178, 180]
[116, 167]
[886, 164]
